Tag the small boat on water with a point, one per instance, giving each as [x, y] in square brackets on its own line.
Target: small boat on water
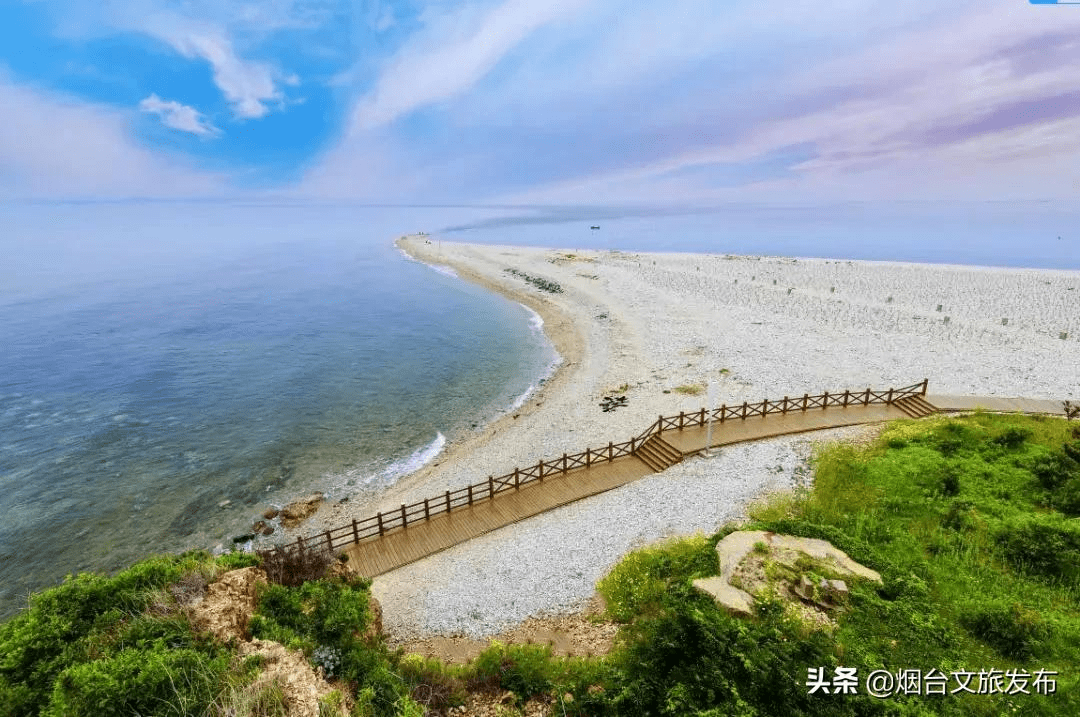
[594, 228]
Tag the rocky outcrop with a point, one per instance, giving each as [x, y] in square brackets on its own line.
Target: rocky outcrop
[753, 560]
[298, 511]
[224, 612]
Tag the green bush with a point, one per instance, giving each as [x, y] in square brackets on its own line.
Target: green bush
[641, 582]
[161, 681]
[1012, 437]
[331, 613]
[1047, 547]
[1054, 470]
[525, 670]
[1013, 630]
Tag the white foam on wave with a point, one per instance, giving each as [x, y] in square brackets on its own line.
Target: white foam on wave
[536, 321]
[445, 270]
[404, 466]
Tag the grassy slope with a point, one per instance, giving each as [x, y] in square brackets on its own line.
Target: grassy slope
[968, 520]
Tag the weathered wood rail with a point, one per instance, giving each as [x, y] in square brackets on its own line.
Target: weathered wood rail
[648, 447]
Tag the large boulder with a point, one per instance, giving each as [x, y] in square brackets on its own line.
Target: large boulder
[755, 560]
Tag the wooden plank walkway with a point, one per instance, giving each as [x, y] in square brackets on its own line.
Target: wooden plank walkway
[402, 546]
[692, 440]
[377, 555]
[997, 403]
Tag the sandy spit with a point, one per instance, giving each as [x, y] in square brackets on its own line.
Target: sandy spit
[756, 327]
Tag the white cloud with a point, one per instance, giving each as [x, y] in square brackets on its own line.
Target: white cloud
[52, 146]
[452, 55]
[910, 131]
[247, 85]
[178, 116]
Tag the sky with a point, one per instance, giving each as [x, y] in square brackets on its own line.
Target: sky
[530, 103]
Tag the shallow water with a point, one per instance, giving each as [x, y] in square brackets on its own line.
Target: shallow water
[127, 416]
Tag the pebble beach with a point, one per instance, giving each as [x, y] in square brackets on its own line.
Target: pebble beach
[659, 329]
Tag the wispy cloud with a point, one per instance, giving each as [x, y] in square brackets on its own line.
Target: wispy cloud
[54, 146]
[250, 87]
[453, 53]
[178, 116]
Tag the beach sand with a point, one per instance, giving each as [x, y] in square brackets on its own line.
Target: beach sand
[657, 326]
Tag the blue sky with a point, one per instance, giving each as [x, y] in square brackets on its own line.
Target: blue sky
[528, 102]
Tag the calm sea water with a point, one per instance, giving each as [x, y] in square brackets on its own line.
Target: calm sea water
[127, 416]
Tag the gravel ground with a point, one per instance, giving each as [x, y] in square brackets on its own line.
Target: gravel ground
[756, 327]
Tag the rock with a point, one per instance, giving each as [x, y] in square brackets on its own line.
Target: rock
[736, 601]
[836, 591]
[805, 588]
[224, 504]
[375, 627]
[243, 538]
[300, 510]
[786, 550]
[262, 528]
[228, 604]
[270, 513]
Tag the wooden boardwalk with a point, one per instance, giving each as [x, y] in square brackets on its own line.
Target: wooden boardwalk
[391, 540]
[381, 553]
[377, 555]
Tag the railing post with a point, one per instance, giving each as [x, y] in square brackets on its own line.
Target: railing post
[845, 398]
[723, 412]
[329, 542]
[564, 463]
[889, 401]
[517, 479]
[610, 451]
[447, 501]
[355, 531]
[588, 455]
[783, 409]
[866, 400]
[491, 486]
[805, 399]
[379, 518]
[682, 417]
[540, 471]
[470, 494]
[702, 421]
[660, 425]
[744, 405]
[427, 510]
[404, 518]
[825, 400]
[633, 445]
[925, 382]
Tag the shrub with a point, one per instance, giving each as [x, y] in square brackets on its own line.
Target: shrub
[525, 670]
[67, 624]
[293, 567]
[1013, 630]
[642, 580]
[1067, 497]
[1054, 470]
[950, 482]
[331, 613]
[161, 681]
[1012, 437]
[1043, 547]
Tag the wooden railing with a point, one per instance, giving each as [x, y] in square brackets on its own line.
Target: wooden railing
[451, 500]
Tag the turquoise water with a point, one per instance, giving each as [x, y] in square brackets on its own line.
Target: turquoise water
[127, 415]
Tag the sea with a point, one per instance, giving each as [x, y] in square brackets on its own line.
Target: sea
[169, 371]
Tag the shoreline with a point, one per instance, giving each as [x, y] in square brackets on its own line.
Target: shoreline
[657, 328]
